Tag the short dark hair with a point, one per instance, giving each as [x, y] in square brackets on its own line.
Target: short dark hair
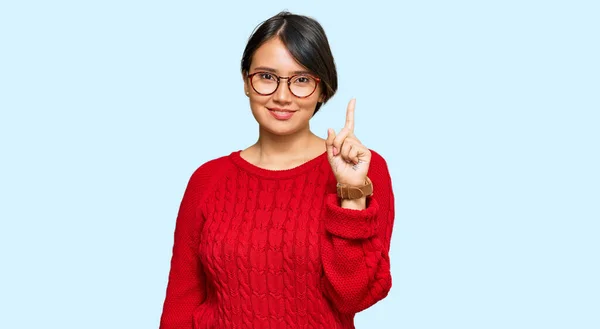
[305, 38]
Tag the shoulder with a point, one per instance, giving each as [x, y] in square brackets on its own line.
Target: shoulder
[209, 170]
[203, 179]
[207, 174]
[378, 171]
[378, 162]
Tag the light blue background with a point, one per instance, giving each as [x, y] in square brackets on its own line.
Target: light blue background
[486, 111]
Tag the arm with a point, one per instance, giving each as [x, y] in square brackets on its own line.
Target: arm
[186, 286]
[355, 249]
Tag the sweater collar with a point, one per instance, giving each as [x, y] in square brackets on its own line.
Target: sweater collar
[276, 174]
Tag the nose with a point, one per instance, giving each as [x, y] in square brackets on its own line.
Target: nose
[282, 93]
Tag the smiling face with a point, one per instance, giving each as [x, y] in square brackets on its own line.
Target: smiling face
[280, 113]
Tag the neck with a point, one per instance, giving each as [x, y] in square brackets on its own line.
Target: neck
[275, 148]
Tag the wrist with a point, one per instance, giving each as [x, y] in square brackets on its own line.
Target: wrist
[355, 191]
[356, 204]
[352, 182]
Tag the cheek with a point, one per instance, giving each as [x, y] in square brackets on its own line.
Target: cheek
[309, 103]
[257, 105]
[258, 101]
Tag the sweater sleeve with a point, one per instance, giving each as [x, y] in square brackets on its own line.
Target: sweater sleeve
[187, 281]
[355, 249]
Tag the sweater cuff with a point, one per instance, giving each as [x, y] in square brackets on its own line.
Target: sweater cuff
[350, 223]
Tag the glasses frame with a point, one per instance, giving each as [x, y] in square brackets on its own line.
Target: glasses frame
[289, 79]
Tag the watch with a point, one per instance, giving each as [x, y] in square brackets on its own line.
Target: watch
[349, 192]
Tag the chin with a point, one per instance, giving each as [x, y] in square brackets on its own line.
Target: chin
[279, 130]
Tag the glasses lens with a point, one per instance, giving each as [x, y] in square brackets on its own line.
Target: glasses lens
[303, 85]
[264, 83]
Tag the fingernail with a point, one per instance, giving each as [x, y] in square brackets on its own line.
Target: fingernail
[335, 151]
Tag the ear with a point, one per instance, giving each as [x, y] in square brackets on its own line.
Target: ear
[246, 85]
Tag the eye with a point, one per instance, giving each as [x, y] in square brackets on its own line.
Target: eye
[266, 76]
[302, 80]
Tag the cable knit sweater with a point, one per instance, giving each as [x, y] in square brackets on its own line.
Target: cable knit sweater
[258, 248]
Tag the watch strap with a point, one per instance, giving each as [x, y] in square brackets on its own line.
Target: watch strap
[355, 192]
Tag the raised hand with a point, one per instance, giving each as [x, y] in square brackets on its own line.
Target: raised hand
[349, 159]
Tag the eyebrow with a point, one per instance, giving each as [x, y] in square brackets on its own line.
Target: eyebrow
[268, 69]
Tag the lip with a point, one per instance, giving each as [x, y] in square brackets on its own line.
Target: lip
[281, 114]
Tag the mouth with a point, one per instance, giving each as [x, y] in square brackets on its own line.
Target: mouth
[281, 114]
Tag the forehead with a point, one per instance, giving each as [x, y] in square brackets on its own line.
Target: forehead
[274, 54]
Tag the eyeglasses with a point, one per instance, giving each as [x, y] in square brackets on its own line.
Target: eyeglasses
[266, 83]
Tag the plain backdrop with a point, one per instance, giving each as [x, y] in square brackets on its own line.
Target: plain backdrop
[486, 111]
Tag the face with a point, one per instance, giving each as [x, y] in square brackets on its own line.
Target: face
[280, 113]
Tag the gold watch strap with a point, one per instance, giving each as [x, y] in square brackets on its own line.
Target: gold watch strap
[355, 192]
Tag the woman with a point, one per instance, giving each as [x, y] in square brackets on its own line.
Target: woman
[294, 231]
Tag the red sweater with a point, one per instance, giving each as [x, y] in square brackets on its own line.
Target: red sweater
[257, 248]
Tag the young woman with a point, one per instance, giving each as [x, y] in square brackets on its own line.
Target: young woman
[293, 231]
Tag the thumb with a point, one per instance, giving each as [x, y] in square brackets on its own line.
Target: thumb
[329, 142]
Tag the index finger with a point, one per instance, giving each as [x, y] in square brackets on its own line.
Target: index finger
[350, 115]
